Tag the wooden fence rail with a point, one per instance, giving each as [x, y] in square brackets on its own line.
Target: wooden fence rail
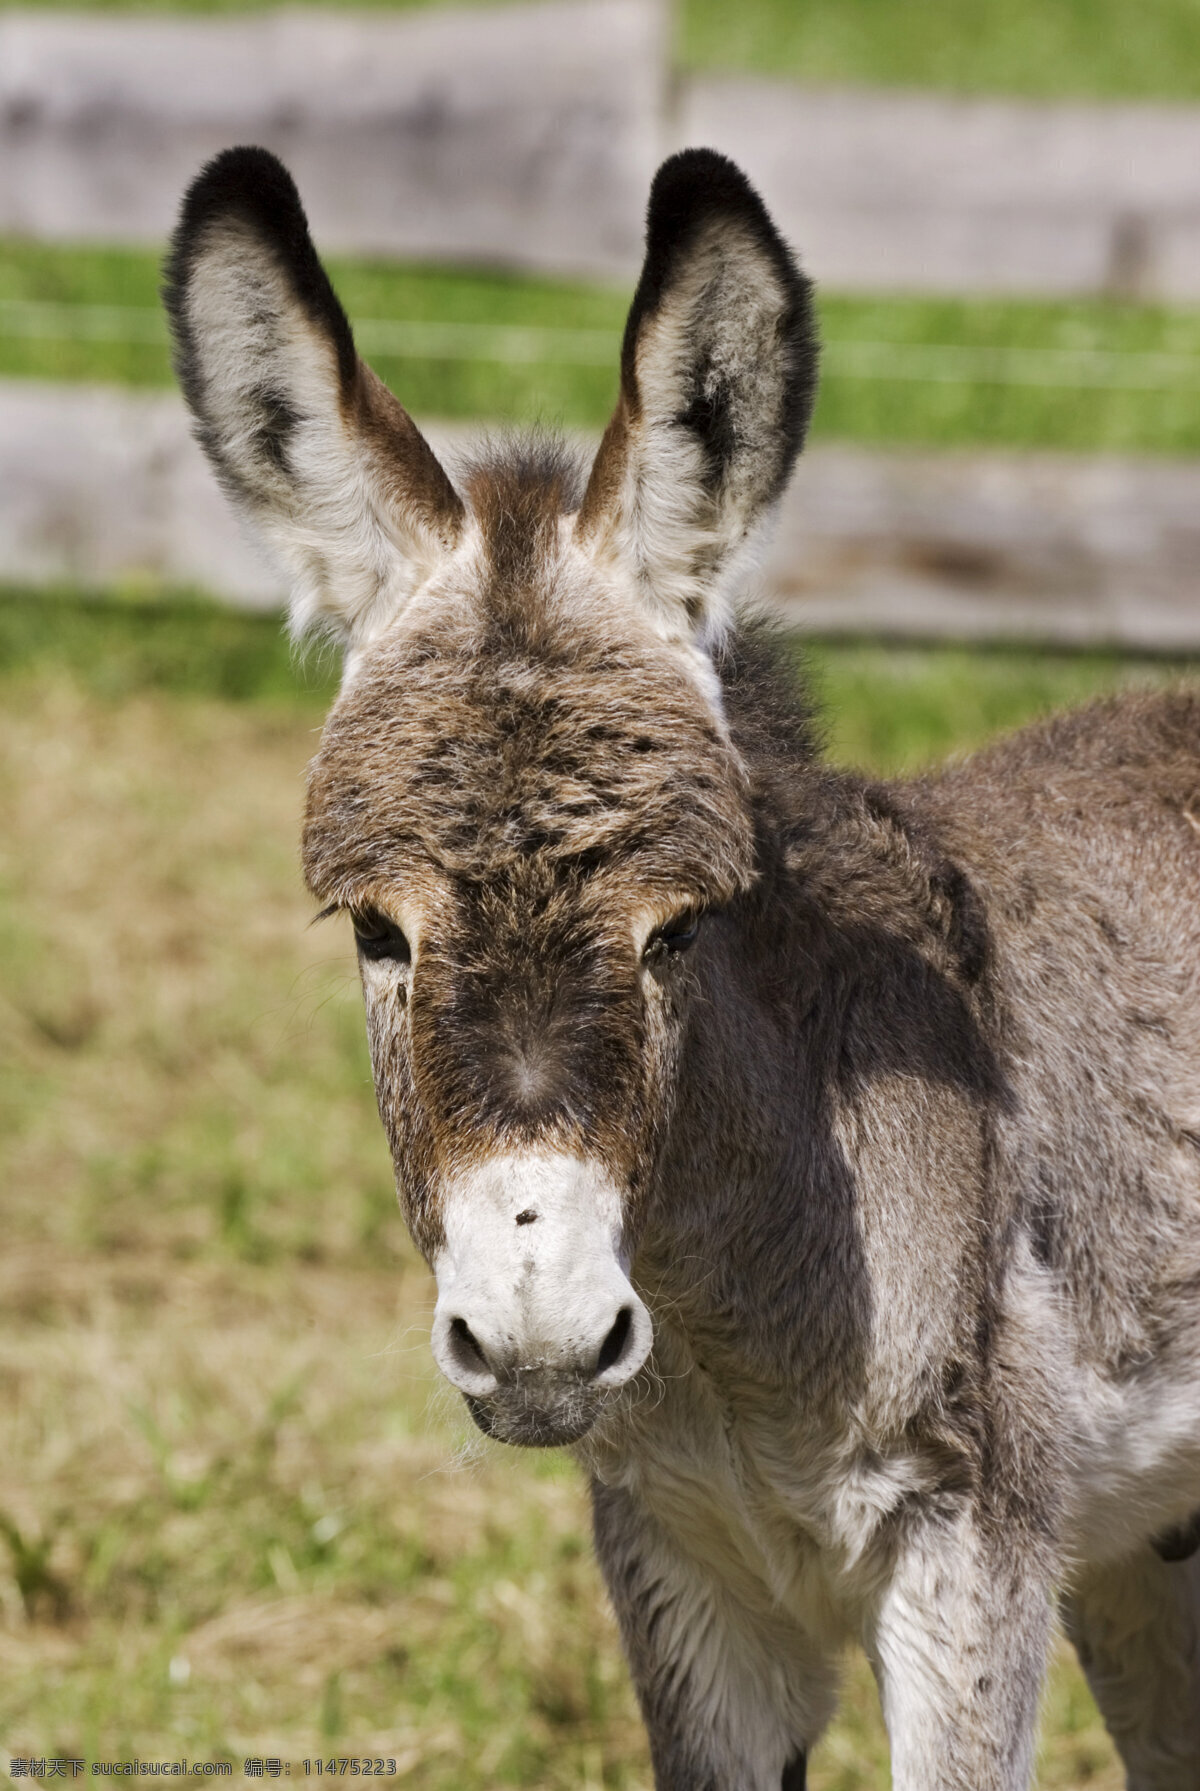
[523, 136]
[527, 136]
[926, 193]
[100, 487]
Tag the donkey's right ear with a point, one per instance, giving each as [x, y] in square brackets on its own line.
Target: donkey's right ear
[311, 447]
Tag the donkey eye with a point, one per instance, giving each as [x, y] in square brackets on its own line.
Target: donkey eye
[378, 937]
[675, 936]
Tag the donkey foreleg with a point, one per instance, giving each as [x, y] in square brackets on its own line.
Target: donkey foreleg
[733, 1694]
[1136, 1628]
[958, 1643]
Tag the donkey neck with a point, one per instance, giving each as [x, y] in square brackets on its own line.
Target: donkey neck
[838, 1004]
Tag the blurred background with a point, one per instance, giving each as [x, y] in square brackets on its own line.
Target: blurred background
[238, 1518]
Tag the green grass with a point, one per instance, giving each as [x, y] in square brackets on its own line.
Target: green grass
[1038, 47]
[182, 647]
[375, 290]
[935, 412]
[1046, 48]
[954, 412]
[898, 709]
[237, 1514]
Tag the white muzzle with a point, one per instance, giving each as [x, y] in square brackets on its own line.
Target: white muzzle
[534, 1302]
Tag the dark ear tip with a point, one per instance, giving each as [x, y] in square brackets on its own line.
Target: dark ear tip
[246, 182]
[251, 185]
[707, 168]
[698, 183]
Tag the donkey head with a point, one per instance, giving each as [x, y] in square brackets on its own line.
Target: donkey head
[526, 797]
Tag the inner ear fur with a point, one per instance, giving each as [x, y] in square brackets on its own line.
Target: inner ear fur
[718, 377]
[312, 448]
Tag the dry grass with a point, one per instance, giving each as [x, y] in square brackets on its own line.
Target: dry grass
[236, 1514]
[222, 1446]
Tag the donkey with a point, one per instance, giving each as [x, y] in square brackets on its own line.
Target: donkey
[819, 1158]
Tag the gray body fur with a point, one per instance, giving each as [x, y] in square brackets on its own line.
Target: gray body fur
[1038, 1232]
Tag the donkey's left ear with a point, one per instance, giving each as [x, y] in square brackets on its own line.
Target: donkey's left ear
[312, 449]
[718, 376]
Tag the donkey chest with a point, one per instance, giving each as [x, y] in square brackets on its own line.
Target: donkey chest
[787, 1511]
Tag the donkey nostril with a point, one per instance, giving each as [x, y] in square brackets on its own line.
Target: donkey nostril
[466, 1350]
[613, 1347]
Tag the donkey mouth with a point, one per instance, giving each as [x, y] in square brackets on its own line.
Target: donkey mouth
[512, 1417]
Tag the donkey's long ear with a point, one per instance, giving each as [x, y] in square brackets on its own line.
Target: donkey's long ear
[310, 446]
[718, 376]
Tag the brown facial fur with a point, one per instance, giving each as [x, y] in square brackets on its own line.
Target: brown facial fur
[530, 793]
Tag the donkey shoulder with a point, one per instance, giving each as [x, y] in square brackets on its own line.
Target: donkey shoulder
[1140, 744]
[1095, 812]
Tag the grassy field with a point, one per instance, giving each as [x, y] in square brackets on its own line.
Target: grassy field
[1045, 48]
[238, 1515]
[1006, 396]
[1040, 47]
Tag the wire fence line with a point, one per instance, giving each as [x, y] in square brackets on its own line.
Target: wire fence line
[1135, 370]
[408, 340]
[511, 344]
